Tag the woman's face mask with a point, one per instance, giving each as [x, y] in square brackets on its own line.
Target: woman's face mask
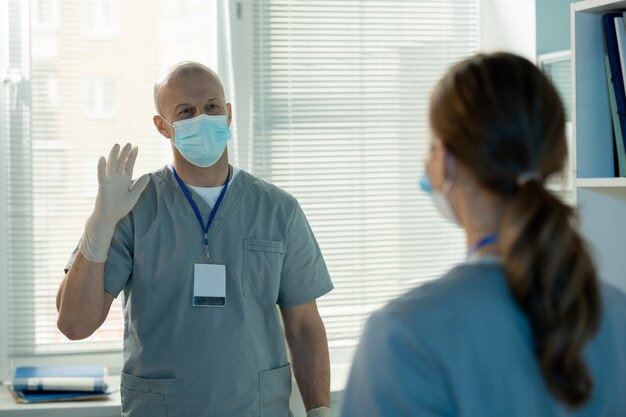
[440, 198]
[201, 140]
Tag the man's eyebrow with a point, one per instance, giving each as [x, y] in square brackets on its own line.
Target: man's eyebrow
[181, 105]
[187, 104]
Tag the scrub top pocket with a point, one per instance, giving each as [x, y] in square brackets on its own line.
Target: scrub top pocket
[262, 267]
[142, 397]
[275, 390]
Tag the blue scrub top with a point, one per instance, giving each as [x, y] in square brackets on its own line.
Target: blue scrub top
[461, 346]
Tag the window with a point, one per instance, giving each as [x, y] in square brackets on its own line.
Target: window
[100, 18]
[337, 100]
[558, 68]
[340, 93]
[99, 97]
[52, 92]
[45, 15]
[62, 111]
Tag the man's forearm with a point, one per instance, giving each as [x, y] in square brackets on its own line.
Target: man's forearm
[311, 364]
[81, 300]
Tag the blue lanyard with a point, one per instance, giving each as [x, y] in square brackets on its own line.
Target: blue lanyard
[185, 190]
[484, 241]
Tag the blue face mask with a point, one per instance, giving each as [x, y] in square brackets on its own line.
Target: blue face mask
[202, 140]
[425, 184]
[440, 199]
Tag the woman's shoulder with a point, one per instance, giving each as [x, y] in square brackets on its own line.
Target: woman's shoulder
[613, 311]
[463, 289]
[471, 301]
[613, 297]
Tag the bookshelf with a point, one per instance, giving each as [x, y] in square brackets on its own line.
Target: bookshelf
[600, 198]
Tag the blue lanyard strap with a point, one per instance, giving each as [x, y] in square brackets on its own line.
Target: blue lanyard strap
[482, 242]
[194, 206]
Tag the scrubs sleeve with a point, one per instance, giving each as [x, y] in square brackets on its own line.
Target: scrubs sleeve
[304, 275]
[395, 374]
[72, 257]
[119, 264]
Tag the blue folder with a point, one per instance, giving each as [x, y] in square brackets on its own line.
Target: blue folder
[617, 78]
[34, 378]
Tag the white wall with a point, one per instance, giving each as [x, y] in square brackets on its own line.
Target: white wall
[509, 25]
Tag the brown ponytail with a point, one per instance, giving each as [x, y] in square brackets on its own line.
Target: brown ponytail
[502, 118]
[553, 279]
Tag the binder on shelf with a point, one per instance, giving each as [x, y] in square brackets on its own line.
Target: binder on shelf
[59, 383]
[616, 79]
[617, 131]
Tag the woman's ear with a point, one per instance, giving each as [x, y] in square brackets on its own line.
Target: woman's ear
[436, 166]
[449, 164]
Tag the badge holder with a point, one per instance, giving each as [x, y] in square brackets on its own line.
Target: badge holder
[209, 283]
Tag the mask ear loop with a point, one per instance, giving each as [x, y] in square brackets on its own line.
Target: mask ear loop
[451, 169]
[170, 124]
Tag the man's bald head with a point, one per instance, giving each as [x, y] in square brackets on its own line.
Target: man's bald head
[183, 69]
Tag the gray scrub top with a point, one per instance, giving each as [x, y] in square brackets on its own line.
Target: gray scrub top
[181, 360]
[460, 346]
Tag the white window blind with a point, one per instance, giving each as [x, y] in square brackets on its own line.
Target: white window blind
[340, 93]
[340, 96]
[558, 68]
[70, 97]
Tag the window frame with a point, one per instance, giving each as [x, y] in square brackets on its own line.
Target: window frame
[4, 270]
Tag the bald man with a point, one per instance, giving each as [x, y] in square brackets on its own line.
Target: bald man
[203, 252]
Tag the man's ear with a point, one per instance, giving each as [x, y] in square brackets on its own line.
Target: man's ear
[229, 109]
[161, 126]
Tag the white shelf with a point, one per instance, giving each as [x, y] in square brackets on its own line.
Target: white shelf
[601, 183]
[600, 198]
[598, 5]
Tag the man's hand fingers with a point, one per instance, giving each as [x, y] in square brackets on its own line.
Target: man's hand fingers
[121, 159]
[102, 167]
[130, 162]
[112, 160]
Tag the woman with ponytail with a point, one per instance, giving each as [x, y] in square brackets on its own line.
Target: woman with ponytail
[524, 327]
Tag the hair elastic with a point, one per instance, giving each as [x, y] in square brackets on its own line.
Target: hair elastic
[526, 177]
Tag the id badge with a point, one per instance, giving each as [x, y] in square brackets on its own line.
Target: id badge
[209, 283]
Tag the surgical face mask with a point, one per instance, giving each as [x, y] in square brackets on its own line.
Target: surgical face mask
[202, 140]
[440, 199]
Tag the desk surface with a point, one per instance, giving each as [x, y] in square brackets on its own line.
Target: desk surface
[98, 408]
[112, 406]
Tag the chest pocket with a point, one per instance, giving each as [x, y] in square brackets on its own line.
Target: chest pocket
[262, 266]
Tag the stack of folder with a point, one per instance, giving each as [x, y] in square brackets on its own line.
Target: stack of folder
[614, 29]
[59, 383]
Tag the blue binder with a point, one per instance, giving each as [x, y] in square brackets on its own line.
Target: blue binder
[617, 78]
[36, 378]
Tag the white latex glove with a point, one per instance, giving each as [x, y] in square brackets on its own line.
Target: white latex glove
[117, 195]
[319, 412]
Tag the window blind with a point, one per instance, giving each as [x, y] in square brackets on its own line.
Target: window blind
[339, 115]
[558, 68]
[340, 98]
[84, 72]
